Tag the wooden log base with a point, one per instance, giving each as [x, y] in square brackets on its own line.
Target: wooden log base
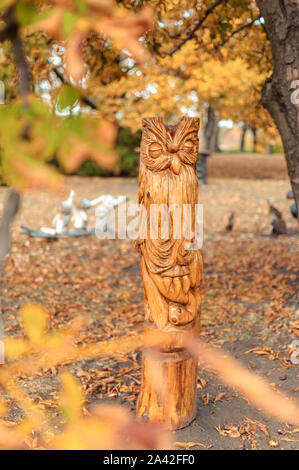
[168, 392]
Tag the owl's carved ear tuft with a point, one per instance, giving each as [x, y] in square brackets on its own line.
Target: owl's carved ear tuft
[196, 123]
[152, 122]
[190, 123]
[147, 122]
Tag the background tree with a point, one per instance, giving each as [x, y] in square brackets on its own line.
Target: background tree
[49, 48]
[280, 96]
[263, 32]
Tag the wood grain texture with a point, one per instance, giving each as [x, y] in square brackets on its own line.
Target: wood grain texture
[171, 402]
[171, 270]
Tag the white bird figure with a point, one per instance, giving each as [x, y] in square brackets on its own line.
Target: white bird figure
[67, 208]
[80, 219]
[120, 200]
[105, 204]
[58, 221]
[103, 210]
[68, 204]
[48, 231]
[86, 204]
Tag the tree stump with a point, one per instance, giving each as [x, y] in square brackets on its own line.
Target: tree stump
[171, 270]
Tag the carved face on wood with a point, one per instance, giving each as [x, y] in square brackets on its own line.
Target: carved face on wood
[169, 147]
[168, 162]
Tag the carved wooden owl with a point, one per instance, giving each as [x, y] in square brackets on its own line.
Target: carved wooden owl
[171, 272]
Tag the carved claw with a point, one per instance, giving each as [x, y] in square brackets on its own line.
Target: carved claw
[186, 284]
[196, 269]
[183, 314]
[171, 288]
[176, 285]
[136, 245]
[166, 282]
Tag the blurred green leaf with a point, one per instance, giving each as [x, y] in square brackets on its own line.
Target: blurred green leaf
[68, 97]
[81, 6]
[5, 4]
[26, 12]
[69, 22]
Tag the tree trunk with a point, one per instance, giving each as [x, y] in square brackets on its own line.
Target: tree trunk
[254, 133]
[211, 131]
[281, 94]
[244, 132]
[10, 209]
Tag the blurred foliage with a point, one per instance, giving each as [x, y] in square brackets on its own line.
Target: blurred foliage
[75, 427]
[128, 154]
[277, 148]
[128, 150]
[89, 52]
[60, 122]
[36, 134]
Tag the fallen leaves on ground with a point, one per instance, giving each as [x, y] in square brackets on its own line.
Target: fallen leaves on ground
[249, 294]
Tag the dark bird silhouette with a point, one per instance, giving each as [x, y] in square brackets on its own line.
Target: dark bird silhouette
[279, 227]
[230, 222]
[294, 211]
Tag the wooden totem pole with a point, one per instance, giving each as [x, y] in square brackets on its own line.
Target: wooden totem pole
[171, 270]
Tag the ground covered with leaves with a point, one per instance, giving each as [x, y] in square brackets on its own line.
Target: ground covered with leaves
[250, 305]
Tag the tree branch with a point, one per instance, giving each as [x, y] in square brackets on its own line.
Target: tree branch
[22, 65]
[191, 34]
[11, 208]
[11, 33]
[237, 31]
[85, 99]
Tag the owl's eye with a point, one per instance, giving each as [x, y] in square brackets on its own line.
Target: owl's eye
[188, 145]
[155, 149]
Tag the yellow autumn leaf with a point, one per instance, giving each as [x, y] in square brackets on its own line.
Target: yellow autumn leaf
[103, 429]
[72, 397]
[15, 347]
[3, 408]
[86, 434]
[35, 322]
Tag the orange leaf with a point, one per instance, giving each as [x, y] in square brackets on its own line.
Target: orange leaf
[75, 66]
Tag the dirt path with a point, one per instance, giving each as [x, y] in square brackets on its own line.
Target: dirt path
[248, 304]
[247, 166]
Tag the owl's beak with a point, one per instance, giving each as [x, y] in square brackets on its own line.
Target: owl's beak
[176, 165]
